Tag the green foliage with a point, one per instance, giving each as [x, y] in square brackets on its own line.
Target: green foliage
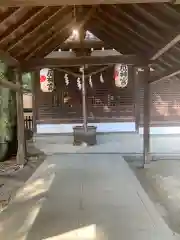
[7, 108]
[27, 82]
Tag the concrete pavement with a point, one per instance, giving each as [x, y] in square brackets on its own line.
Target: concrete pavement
[93, 197]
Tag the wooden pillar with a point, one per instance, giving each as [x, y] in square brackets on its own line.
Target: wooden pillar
[34, 99]
[84, 106]
[84, 103]
[146, 108]
[21, 153]
[137, 98]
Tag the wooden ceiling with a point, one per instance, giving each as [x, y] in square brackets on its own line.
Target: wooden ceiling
[29, 32]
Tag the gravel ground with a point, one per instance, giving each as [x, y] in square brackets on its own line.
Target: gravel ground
[161, 180]
[12, 177]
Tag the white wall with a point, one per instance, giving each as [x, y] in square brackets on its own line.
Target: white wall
[27, 100]
[106, 128]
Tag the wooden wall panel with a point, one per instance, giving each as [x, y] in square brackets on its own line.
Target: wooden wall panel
[105, 101]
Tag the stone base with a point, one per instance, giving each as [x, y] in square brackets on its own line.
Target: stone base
[88, 137]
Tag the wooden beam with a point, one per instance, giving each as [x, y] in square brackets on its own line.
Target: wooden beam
[7, 84]
[8, 3]
[87, 44]
[21, 153]
[170, 72]
[171, 39]
[8, 59]
[79, 61]
[9, 12]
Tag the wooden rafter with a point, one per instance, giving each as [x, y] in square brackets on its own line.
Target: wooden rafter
[151, 33]
[17, 28]
[151, 15]
[121, 35]
[123, 26]
[8, 13]
[44, 37]
[28, 12]
[169, 73]
[55, 36]
[43, 46]
[36, 28]
[54, 44]
[150, 40]
[170, 37]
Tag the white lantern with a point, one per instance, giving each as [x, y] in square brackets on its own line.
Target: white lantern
[121, 75]
[47, 80]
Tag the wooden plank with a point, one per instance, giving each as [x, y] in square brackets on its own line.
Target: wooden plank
[21, 153]
[78, 61]
[72, 2]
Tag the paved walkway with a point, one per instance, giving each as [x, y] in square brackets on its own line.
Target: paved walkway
[123, 143]
[83, 197]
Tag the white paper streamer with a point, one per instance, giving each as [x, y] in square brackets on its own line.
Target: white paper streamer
[90, 82]
[101, 78]
[66, 79]
[79, 83]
